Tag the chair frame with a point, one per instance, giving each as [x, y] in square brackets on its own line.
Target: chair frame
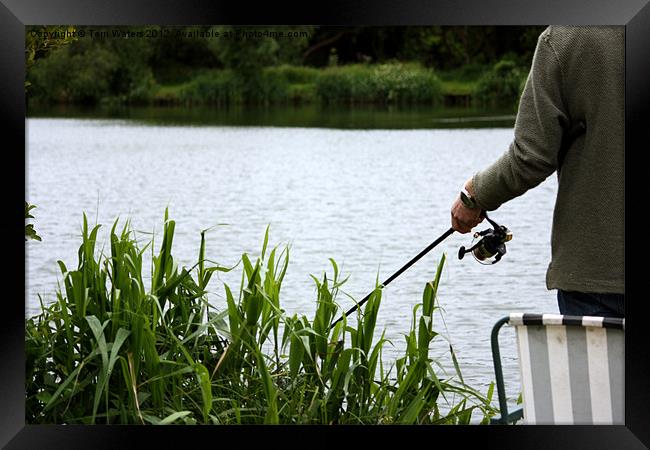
[506, 418]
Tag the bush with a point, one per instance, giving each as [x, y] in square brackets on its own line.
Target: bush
[267, 87]
[296, 74]
[215, 87]
[301, 93]
[111, 350]
[225, 87]
[501, 86]
[385, 83]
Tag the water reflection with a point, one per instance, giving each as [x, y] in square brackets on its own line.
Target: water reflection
[388, 117]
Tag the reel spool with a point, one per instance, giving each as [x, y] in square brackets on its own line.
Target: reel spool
[491, 246]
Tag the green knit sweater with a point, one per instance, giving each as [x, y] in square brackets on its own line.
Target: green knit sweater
[577, 74]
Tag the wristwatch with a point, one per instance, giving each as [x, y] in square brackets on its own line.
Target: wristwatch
[467, 199]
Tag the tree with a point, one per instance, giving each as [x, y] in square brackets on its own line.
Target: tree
[247, 50]
[41, 40]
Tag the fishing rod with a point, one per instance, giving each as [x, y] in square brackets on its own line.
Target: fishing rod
[491, 246]
[489, 249]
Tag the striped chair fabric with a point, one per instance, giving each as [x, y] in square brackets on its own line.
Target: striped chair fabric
[571, 367]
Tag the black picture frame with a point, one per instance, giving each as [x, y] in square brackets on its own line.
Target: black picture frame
[15, 14]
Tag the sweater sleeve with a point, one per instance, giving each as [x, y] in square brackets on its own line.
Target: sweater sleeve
[532, 155]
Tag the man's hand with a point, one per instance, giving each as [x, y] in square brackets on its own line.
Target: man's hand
[463, 219]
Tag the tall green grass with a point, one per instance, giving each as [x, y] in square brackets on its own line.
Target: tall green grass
[385, 83]
[119, 348]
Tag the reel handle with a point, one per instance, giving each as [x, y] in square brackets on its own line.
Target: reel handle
[462, 251]
[486, 247]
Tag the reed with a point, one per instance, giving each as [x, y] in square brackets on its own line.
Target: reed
[115, 349]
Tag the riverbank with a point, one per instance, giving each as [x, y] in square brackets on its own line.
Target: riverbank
[350, 85]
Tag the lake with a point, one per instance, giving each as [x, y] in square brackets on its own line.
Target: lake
[369, 191]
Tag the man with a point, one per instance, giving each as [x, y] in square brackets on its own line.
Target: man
[576, 79]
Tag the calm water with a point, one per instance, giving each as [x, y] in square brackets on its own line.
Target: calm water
[369, 198]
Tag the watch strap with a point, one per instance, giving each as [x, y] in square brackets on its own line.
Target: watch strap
[467, 199]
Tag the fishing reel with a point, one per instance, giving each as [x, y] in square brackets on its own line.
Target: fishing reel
[491, 245]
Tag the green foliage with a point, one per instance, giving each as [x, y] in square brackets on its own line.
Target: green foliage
[30, 232]
[501, 86]
[454, 47]
[249, 48]
[225, 87]
[296, 74]
[271, 87]
[384, 83]
[69, 76]
[117, 70]
[247, 56]
[111, 350]
[356, 84]
[440, 47]
[88, 71]
[464, 73]
[40, 41]
[216, 87]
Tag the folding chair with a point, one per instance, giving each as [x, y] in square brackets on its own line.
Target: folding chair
[571, 368]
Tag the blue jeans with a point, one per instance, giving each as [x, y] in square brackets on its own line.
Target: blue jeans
[588, 304]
